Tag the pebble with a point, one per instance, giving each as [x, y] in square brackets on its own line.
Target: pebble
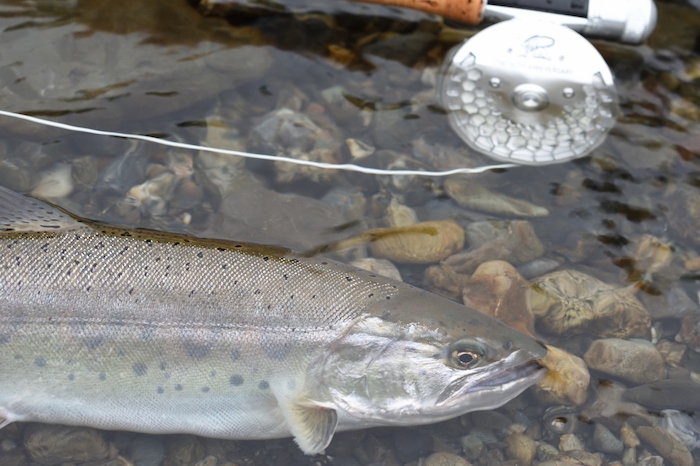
[629, 456]
[184, 450]
[471, 195]
[54, 183]
[497, 289]
[411, 444]
[666, 444]
[422, 243]
[567, 381]
[629, 438]
[569, 302]
[146, 451]
[445, 459]
[569, 442]
[605, 441]
[546, 451]
[472, 446]
[512, 241]
[634, 362]
[521, 448]
[666, 394]
[379, 266]
[51, 445]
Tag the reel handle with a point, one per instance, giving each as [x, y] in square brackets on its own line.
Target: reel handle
[463, 11]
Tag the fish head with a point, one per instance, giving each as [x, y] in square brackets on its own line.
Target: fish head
[424, 359]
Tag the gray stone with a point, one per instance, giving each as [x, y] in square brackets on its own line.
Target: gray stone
[634, 362]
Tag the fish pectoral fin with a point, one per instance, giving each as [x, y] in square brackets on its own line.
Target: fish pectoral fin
[22, 213]
[313, 426]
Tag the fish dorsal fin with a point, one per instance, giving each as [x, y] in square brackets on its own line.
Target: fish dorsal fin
[313, 426]
[20, 213]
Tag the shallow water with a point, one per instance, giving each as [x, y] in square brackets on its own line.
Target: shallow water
[161, 68]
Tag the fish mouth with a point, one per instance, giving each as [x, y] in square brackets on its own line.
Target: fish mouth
[491, 389]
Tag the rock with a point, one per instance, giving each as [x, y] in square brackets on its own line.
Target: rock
[569, 442]
[468, 193]
[672, 303]
[379, 266]
[671, 352]
[684, 211]
[521, 448]
[605, 441]
[569, 302]
[445, 459]
[146, 451]
[629, 438]
[546, 451]
[666, 394]
[411, 444]
[512, 241]
[288, 133]
[399, 215]
[472, 445]
[445, 281]
[634, 362]
[256, 214]
[85, 171]
[537, 267]
[55, 182]
[497, 289]
[690, 331]
[422, 243]
[666, 444]
[184, 450]
[682, 426]
[611, 405]
[51, 445]
[567, 381]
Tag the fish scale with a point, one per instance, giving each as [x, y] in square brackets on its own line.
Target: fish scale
[151, 332]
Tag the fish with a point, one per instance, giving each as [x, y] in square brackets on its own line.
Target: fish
[145, 331]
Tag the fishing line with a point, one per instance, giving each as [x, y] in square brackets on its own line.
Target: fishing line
[331, 166]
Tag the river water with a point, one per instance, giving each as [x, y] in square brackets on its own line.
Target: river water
[337, 82]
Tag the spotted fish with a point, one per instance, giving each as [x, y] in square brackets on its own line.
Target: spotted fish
[159, 333]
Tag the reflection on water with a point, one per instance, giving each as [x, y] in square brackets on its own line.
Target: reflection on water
[340, 85]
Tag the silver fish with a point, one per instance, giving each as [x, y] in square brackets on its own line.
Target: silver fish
[158, 333]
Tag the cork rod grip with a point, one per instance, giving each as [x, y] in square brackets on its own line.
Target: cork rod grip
[463, 11]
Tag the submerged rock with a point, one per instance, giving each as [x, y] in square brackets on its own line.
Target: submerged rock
[51, 445]
[666, 444]
[632, 361]
[569, 302]
[498, 290]
[567, 381]
[468, 193]
[512, 241]
[422, 243]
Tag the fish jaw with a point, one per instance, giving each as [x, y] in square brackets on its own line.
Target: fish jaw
[384, 373]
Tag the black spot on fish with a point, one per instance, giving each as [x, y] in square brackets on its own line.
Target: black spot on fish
[212, 373]
[236, 380]
[102, 376]
[388, 297]
[348, 279]
[160, 390]
[140, 369]
[40, 362]
[121, 353]
[131, 291]
[225, 266]
[205, 389]
[370, 295]
[221, 249]
[266, 258]
[178, 387]
[372, 275]
[263, 385]
[4, 338]
[200, 254]
[324, 263]
[69, 362]
[71, 377]
[162, 366]
[257, 292]
[238, 246]
[235, 354]
[197, 349]
[92, 343]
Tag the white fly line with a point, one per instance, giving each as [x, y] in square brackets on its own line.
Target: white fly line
[331, 166]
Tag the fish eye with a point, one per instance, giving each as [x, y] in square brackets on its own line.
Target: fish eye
[465, 354]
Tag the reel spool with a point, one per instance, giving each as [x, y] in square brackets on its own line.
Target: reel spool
[530, 93]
